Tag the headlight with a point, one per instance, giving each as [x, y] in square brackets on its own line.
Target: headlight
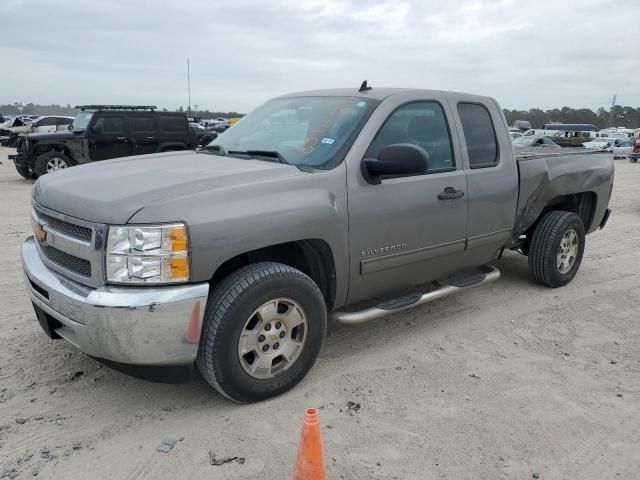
[153, 254]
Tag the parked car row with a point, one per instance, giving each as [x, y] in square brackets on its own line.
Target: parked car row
[102, 132]
[12, 129]
[621, 147]
[530, 141]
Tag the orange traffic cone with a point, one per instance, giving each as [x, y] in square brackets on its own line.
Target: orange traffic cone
[310, 458]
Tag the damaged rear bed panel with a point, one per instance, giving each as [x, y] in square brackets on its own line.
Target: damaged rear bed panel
[546, 177]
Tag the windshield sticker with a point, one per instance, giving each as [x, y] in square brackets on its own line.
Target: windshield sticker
[328, 141]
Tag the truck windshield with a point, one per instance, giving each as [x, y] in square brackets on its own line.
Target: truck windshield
[305, 131]
[81, 121]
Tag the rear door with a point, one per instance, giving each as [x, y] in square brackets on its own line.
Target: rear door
[404, 232]
[144, 132]
[492, 177]
[108, 137]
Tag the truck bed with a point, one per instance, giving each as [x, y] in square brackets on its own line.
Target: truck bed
[545, 176]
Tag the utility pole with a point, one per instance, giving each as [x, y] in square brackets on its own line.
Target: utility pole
[613, 104]
[189, 86]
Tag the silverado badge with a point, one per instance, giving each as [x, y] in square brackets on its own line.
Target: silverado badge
[40, 232]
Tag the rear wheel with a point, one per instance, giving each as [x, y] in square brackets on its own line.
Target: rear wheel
[52, 162]
[263, 330]
[633, 160]
[556, 248]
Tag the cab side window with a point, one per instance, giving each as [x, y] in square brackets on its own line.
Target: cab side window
[47, 122]
[110, 124]
[173, 123]
[422, 124]
[479, 134]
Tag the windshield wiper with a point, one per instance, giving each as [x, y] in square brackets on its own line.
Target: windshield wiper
[215, 149]
[260, 153]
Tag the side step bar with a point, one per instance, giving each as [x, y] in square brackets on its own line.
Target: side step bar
[488, 273]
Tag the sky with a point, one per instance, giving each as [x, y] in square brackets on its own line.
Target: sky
[538, 53]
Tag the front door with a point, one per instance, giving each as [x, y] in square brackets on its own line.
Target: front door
[108, 137]
[410, 230]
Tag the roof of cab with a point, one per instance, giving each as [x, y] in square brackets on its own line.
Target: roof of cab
[378, 93]
[375, 93]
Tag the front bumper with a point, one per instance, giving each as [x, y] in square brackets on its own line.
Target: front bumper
[605, 218]
[147, 326]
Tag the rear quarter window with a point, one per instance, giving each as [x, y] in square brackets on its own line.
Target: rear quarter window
[142, 123]
[479, 134]
[173, 123]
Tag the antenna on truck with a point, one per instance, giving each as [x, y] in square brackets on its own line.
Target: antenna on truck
[364, 87]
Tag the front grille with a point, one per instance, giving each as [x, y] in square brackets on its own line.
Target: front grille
[20, 144]
[71, 263]
[70, 229]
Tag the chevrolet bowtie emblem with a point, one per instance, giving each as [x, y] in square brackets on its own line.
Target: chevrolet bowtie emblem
[273, 338]
[40, 232]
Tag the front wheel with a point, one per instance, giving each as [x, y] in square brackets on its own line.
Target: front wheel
[51, 162]
[556, 248]
[24, 171]
[263, 330]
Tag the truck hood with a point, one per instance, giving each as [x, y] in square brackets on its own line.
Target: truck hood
[64, 135]
[113, 191]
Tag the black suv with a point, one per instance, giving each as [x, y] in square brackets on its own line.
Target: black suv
[101, 132]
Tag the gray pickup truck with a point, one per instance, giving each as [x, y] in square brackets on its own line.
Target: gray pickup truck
[348, 204]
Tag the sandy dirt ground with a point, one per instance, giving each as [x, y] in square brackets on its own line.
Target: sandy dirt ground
[511, 380]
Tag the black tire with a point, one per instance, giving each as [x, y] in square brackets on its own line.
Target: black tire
[545, 247]
[229, 307]
[633, 160]
[42, 161]
[25, 172]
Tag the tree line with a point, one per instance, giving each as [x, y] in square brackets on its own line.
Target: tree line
[628, 117]
[18, 108]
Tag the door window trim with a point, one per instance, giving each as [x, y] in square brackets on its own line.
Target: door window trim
[447, 124]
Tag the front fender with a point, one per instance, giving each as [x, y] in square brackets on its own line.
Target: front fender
[226, 223]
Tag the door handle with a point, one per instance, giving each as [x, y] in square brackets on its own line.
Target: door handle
[151, 138]
[121, 139]
[450, 193]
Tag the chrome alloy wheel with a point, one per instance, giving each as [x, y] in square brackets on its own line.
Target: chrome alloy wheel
[568, 252]
[55, 164]
[272, 338]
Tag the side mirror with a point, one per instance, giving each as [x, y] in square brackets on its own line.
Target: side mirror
[70, 127]
[397, 160]
[96, 129]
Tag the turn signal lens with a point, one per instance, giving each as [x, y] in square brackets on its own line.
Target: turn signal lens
[178, 239]
[179, 269]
